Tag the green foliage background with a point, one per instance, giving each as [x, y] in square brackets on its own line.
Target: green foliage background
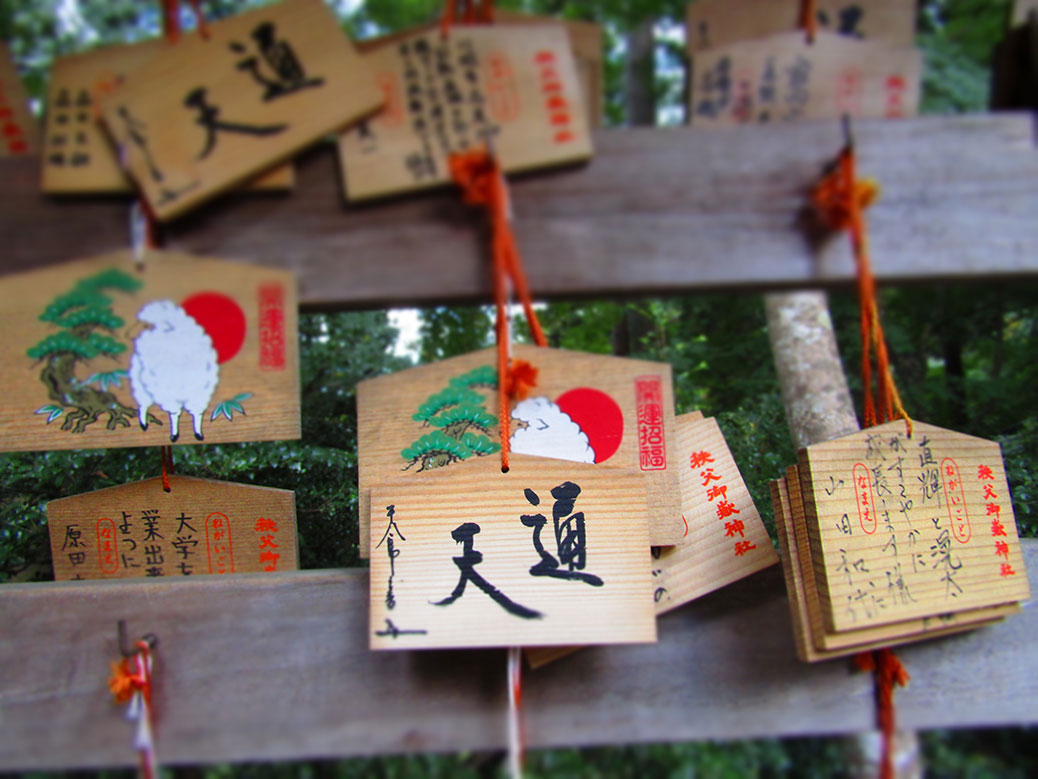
[964, 358]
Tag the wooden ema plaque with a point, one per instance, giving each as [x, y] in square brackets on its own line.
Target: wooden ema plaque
[712, 23]
[549, 553]
[209, 113]
[585, 407]
[19, 133]
[725, 538]
[585, 40]
[199, 527]
[725, 541]
[78, 156]
[909, 527]
[97, 353]
[515, 86]
[813, 643]
[782, 78]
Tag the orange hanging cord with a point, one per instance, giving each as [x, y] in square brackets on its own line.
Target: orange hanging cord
[888, 671]
[171, 19]
[167, 466]
[130, 683]
[483, 184]
[840, 198]
[808, 19]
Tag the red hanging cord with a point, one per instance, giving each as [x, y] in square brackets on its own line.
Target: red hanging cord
[166, 453]
[130, 683]
[482, 183]
[808, 19]
[171, 19]
[888, 671]
[840, 198]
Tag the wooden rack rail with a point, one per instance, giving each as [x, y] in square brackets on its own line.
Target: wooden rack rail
[657, 210]
[277, 667]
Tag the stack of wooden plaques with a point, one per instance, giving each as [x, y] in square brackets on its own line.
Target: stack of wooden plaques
[600, 471]
[888, 538]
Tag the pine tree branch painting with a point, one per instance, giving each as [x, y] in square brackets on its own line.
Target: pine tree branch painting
[86, 331]
[461, 421]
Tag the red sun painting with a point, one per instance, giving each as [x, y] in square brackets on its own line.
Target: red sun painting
[598, 415]
[222, 318]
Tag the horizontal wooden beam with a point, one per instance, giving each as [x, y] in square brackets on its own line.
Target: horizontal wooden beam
[256, 667]
[657, 211]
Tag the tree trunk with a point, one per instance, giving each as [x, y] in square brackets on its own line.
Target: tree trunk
[640, 75]
[819, 408]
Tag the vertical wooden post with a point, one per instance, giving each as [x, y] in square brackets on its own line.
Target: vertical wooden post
[819, 408]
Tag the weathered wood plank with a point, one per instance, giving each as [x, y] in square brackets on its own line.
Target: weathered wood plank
[277, 667]
[657, 210]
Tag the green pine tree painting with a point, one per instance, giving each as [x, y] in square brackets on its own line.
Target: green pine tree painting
[86, 327]
[461, 421]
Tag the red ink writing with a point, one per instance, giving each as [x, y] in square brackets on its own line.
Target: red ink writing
[272, 326]
[652, 448]
[862, 478]
[218, 543]
[956, 500]
[106, 552]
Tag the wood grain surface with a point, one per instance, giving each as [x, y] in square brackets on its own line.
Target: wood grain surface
[215, 344]
[813, 642]
[467, 526]
[657, 210]
[908, 527]
[387, 427]
[200, 527]
[719, 22]
[276, 667]
[782, 78]
[516, 87]
[213, 111]
[78, 157]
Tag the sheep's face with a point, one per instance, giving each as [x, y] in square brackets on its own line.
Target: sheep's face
[157, 312]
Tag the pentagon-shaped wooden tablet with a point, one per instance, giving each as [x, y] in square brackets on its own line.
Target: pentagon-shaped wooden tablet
[904, 527]
[585, 407]
[100, 353]
[199, 527]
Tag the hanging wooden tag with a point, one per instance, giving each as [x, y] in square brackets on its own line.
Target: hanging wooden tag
[725, 538]
[585, 40]
[208, 113]
[585, 407]
[78, 156]
[548, 553]
[713, 23]
[725, 541]
[199, 527]
[515, 86]
[19, 133]
[781, 78]
[813, 642]
[909, 527]
[97, 353]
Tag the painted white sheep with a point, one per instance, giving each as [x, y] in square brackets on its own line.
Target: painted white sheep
[549, 432]
[173, 365]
